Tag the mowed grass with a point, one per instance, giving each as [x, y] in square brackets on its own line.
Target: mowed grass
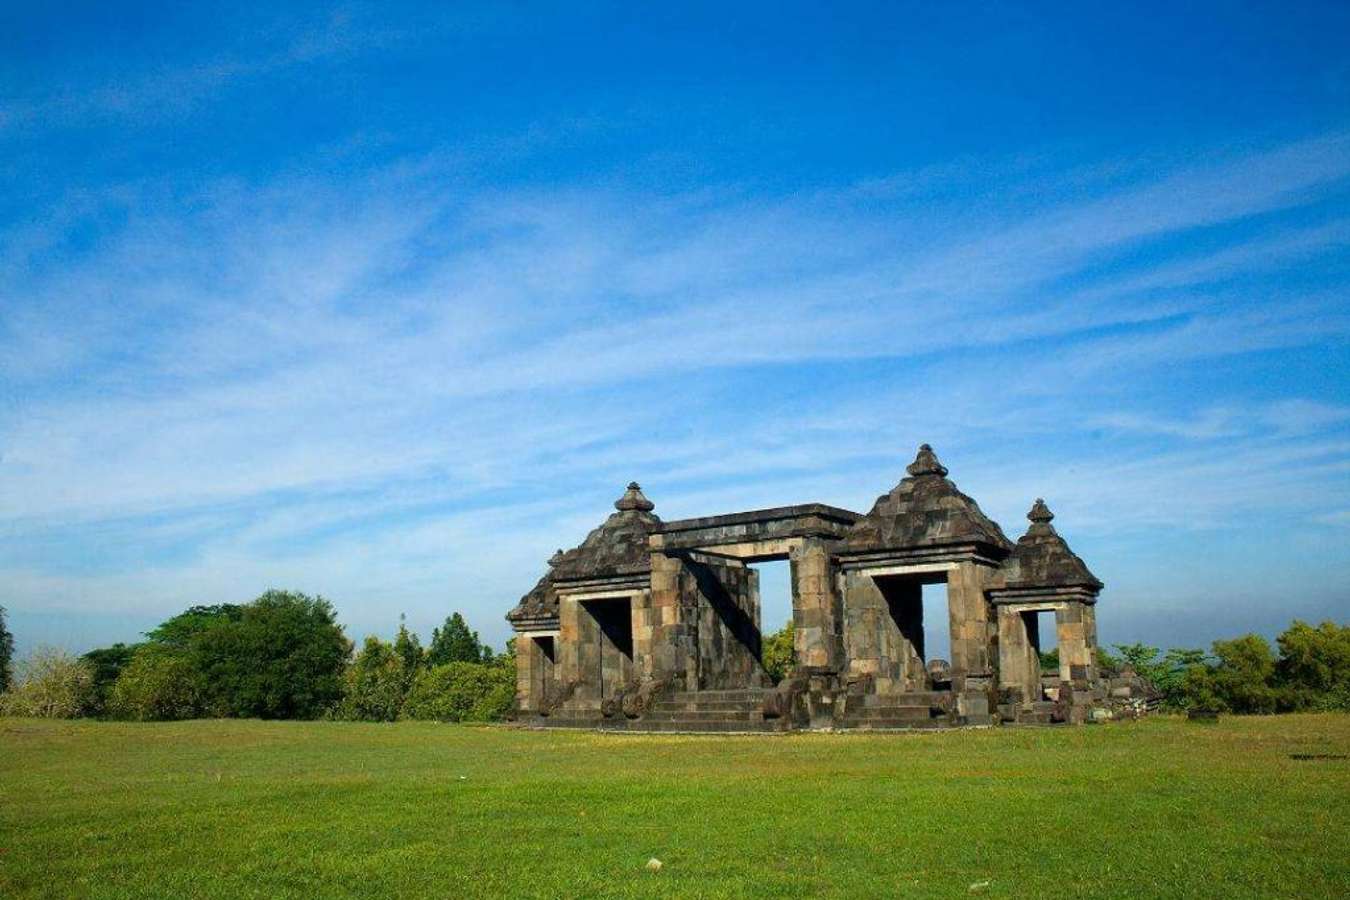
[1161, 808]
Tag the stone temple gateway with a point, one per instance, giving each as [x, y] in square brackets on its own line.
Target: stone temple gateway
[655, 626]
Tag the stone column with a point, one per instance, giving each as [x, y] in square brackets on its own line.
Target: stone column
[970, 622]
[816, 607]
[1075, 650]
[674, 634]
[972, 638]
[526, 701]
[1019, 666]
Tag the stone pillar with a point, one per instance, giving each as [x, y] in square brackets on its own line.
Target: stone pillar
[644, 629]
[1019, 666]
[970, 622]
[1073, 620]
[526, 701]
[674, 634]
[816, 607]
[972, 638]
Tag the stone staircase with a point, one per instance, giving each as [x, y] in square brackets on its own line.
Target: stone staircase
[893, 712]
[707, 712]
[710, 711]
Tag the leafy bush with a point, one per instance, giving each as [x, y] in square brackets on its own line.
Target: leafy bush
[1050, 660]
[374, 685]
[157, 684]
[462, 691]
[50, 684]
[778, 652]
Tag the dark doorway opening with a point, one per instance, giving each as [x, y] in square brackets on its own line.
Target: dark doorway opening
[614, 642]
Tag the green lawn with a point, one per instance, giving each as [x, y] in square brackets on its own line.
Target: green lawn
[1161, 808]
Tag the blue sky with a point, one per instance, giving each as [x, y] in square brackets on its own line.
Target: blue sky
[387, 302]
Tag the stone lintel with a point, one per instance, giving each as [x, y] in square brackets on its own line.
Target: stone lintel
[616, 586]
[1041, 596]
[979, 554]
[541, 627]
[934, 572]
[754, 527]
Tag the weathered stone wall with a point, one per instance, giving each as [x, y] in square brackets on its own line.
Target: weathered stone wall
[883, 631]
[536, 670]
[1019, 661]
[1073, 620]
[728, 615]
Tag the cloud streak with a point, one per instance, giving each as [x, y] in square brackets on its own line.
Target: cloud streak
[410, 387]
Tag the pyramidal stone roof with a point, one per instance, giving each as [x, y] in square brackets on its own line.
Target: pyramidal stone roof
[924, 510]
[618, 547]
[1042, 558]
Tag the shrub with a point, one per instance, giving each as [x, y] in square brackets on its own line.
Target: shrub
[156, 685]
[374, 685]
[462, 691]
[50, 684]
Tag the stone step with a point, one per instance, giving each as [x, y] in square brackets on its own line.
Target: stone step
[732, 705]
[890, 712]
[915, 698]
[743, 695]
[699, 715]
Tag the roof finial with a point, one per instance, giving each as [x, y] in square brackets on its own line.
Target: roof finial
[926, 463]
[633, 499]
[1040, 513]
[555, 558]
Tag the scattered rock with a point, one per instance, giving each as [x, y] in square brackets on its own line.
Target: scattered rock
[653, 865]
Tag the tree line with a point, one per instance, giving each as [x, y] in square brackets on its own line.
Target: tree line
[1307, 670]
[281, 656]
[284, 656]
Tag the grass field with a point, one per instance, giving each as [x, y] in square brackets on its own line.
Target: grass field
[1161, 808]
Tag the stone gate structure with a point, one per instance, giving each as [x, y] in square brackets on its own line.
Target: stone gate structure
[652, 625]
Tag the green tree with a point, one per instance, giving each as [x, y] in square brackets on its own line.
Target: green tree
[179, 632]
[6, 654]
[454, 642]
[409, 649]
[281, 658]
[50, 684]
[778, 654]
[106, 664]
[1050, 660]
[1313, 671]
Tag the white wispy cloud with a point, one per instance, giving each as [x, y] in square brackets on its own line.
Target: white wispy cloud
[402, 385]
